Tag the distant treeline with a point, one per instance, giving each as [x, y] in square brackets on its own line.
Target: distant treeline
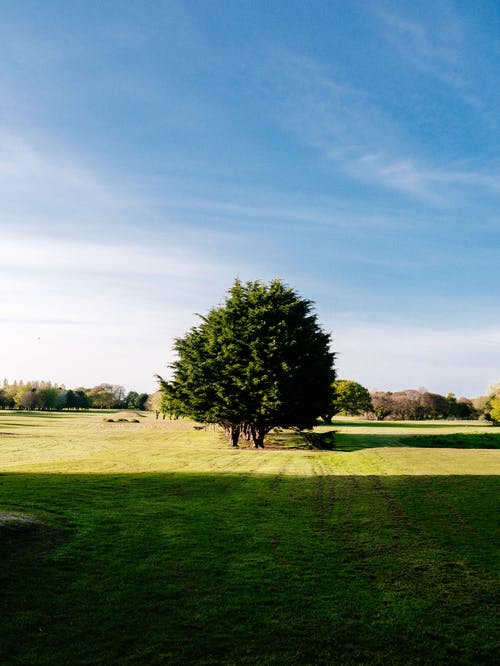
[418, 405]
[353, 399]
[46, 396]
[350, 399]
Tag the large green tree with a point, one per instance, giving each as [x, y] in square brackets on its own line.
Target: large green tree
[258, 361]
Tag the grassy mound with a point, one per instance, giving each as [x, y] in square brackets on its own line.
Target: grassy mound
[124, 417]
[27, 535]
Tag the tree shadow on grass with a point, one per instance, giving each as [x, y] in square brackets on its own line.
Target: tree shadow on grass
[424, 425]
[347, 442]
[352, 442]
[275, 569]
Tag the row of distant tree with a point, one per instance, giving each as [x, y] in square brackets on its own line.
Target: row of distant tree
[46, 396]
[351, 399]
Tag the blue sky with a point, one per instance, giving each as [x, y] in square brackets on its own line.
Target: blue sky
[150, 152]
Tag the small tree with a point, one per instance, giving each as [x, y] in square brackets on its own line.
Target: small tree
[7, 400]
[47, 398]
[495, 410]
[82, 399]
[107, 396]
[493, 404]
[382, 404]
[350, 398]
[465, 408]
[258, 361]
[26, 398]
[131, 399]
[141, 401]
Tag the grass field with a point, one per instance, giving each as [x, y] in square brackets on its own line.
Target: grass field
[154, 543]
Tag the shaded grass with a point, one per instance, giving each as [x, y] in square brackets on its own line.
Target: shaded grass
[357, 422]
[358, 435]
[224, 568]
[474, 440]
[483, 440]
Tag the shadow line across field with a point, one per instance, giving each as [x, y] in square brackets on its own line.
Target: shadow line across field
[353, 442]
[357, 441]
[424, 425]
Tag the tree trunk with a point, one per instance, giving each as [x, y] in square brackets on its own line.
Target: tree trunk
[258, 435]
[234, 435]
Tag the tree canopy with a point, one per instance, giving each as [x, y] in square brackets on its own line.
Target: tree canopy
[46, 396]
[417, 405]
[258, 361]
[492, 406]
[350, 398]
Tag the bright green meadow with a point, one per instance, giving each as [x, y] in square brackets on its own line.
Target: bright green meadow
[155, 543]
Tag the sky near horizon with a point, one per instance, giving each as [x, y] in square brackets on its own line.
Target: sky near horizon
[151, 152]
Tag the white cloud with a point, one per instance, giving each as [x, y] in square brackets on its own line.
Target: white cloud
[81, 313]
[46, 190]
[83, 304]
[415, 177]
[83, 328]
[93, 257]
[90, 290]
[461, 360]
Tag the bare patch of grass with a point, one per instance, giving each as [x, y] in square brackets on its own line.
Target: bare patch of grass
[29, 534]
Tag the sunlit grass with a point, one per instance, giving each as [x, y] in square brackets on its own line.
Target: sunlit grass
[155, 543]
[85, 443]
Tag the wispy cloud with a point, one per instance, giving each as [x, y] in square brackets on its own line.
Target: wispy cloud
[415, 177]
[434, 46]
[437, 42]
[101, 258]
[83, 312]
[41, 184]
[91, 285]
[357, 137]
[46, 191]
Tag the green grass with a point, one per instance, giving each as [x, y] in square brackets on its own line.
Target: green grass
[153, 543]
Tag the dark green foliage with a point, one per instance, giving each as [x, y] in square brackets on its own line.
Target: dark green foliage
[81, 400]
[47, 398]
[136, 400]
[7, 401]
[257, 362]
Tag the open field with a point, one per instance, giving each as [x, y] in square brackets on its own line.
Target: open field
[153, 543]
